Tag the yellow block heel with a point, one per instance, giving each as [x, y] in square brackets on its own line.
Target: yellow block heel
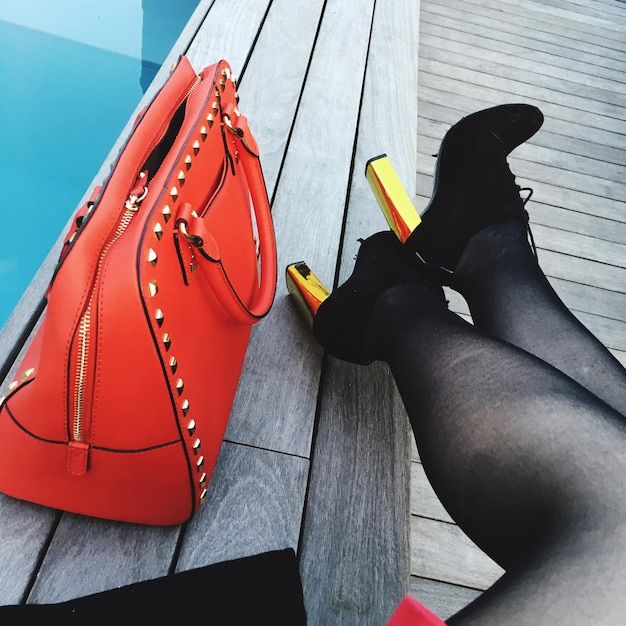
[306, 289]
[393, 199]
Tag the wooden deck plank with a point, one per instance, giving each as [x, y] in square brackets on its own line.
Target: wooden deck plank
[354, 546]
[272, 86]
[451, 34]
[307, 211]
[443, 552]
[532, 72]
[567, 33]
[24, 532]
[443, 599]
[87, 555]
[255, 504]
[559, 43]
[570, 18]
[492, 33]
[592, 113]
[228, 32]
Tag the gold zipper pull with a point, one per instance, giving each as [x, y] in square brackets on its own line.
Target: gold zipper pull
[138, 193]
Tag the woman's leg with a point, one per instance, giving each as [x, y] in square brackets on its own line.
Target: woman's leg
[474, 236]
[528, 462]
[510, 298]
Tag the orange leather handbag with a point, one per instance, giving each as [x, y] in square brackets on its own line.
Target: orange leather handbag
[122, 399]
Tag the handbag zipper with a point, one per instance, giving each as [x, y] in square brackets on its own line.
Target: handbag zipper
[78, 448]
[131, 206]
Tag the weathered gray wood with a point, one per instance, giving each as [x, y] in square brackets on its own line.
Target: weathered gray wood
[441, 551]
[538, 74]
[568, 19]
[272, 86]
[424, 501]
[255, 504]
[553, 29]
[443, 599]
[24, 532]
[360, 465]
[354, 562]
[492, 28]
[274, 79]
[228, 32]
[88, 555]
[478, 41]
[593, 113]
[307, 211]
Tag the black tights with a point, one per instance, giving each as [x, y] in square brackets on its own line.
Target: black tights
[519, 421]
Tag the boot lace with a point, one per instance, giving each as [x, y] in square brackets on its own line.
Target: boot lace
[526, 217]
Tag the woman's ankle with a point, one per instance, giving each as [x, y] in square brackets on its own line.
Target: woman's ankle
[501, 247]
[400, 310]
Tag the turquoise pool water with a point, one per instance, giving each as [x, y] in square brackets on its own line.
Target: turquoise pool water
[71, 74]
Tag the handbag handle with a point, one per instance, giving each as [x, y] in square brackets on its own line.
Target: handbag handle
[192, 227]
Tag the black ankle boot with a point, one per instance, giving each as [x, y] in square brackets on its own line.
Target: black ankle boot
[342, 321]
[473, 185]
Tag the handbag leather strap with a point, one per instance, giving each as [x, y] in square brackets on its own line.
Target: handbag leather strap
[193, 228]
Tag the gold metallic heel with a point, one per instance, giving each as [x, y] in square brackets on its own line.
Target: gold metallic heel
[394, 201]
[306, 289]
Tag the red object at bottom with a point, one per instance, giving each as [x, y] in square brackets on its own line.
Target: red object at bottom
[411, 613]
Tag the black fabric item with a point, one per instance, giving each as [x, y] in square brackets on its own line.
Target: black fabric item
[261, 590]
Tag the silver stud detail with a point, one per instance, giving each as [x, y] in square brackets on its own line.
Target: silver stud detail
[203, 480]
[185, 407]
[166, 212]
[203, 496]
[173, 364]
[196, 147]
[174, 194]
[13, 385]
[167, 341]
[196, 446]
[153, 288]
[191, 427]
[215, 108]
[188, 162]
[200, 463]
[210, 119]
[152, 257]
[158, 231]
[203, 133]
[181, 177]
[180, 386]
[159, 317]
